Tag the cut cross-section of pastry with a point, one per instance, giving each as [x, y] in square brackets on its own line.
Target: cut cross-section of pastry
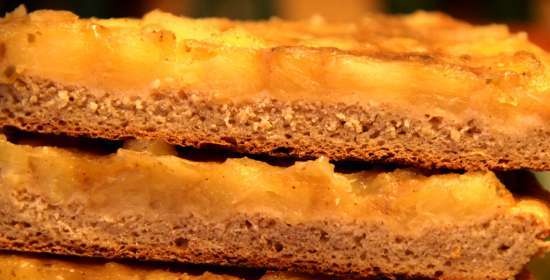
[423, 89]
[143, 203]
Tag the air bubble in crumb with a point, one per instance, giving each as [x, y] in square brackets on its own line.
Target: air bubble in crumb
[9, 71]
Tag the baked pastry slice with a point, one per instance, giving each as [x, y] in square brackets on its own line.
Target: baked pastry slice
[144, 202]
[423, 90]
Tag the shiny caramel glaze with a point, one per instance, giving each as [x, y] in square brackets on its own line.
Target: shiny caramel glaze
[443, 66]
[148, 182]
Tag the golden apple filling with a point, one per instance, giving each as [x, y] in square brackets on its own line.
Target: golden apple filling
[19, 267]
[14, 267]
[147, 179]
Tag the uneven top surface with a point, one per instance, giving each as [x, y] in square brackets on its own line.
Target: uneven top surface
[443, 66]
[24, 267]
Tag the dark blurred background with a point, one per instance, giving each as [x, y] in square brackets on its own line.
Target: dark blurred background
[532, 16]
[487, 10]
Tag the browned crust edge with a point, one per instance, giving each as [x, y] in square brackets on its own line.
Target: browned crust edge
[281, 129]
[501, 244]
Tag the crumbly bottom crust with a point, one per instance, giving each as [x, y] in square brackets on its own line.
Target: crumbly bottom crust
[495, 247]
[271, 127]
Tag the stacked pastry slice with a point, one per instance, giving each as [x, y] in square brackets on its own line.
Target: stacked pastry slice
[360, 149]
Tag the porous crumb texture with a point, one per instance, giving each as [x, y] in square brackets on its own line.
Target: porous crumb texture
[497, 247]
[298, 129]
